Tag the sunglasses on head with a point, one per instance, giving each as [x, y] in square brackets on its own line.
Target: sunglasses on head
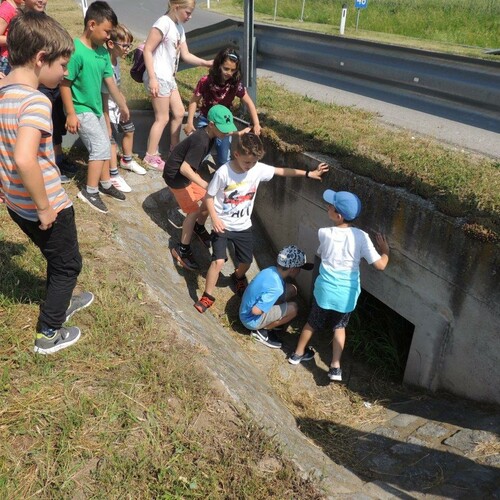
[233, 56]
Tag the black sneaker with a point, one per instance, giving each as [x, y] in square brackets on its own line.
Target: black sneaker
[50, 341]
[94, 200]
[263, 336]
[295, 359]
[185, 260]
[67, 168]
[113, 192]
[240, 284]
[79, 302]
[204, 236]
[335, 374]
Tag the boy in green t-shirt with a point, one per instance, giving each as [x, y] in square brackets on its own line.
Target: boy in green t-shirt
[89, 66]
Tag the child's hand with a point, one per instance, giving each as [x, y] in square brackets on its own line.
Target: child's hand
[124, 114]
[382, 243]
[218, 226]
[154, 88]
[72, 124]
[244, 131]
[256, 129]
[47, 217]
[189, 129]
[319, 172]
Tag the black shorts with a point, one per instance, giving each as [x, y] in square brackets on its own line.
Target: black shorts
[58, 116]
[242, 242]
[120, 128]
[320, 318]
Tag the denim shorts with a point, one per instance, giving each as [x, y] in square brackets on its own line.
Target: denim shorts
[94, 134]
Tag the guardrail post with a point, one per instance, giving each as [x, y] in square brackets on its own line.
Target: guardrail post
[249, 52]
[343, 18]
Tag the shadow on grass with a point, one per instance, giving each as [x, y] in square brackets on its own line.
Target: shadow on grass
[384, 456]
[16, 283]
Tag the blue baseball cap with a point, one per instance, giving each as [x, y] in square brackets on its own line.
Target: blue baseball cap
[346, 204]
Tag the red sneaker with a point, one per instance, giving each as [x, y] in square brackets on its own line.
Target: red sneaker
[204, 303]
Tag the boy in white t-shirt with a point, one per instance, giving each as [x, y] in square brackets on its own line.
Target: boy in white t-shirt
[337, 286]
[230, 199]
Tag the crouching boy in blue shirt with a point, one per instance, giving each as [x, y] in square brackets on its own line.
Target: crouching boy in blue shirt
[265, 304]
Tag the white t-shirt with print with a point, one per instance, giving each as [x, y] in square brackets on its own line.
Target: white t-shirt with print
[166, 55]
[234, 193]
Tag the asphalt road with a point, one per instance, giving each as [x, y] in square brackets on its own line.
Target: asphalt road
[461, 129]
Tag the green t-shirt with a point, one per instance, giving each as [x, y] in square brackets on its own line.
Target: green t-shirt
[86, 70]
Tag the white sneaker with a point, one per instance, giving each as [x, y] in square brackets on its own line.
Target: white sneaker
[119, 182]
[133, 166]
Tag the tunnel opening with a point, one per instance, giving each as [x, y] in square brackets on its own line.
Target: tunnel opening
[380, 337]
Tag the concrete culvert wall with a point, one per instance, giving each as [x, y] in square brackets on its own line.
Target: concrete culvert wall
[439, 279]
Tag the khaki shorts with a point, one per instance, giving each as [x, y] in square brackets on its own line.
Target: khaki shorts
[189, 197]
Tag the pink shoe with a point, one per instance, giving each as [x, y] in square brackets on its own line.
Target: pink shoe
[154, 161]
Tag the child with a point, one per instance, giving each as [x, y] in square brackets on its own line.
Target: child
[39, 51]
[81, 95]
[221, 85]
[118, 46]
[58, 117]
[186, 184]
[265, 304]
[165, 43]
[337, 287]
[230, 199]
[8, 9]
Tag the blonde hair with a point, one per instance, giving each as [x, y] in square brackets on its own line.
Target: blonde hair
[181, 4]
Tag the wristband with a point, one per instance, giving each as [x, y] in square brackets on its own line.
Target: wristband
[307, 173]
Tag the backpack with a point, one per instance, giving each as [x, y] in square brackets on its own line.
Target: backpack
[138, 68]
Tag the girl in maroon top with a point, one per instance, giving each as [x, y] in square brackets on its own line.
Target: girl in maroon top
[220, 86]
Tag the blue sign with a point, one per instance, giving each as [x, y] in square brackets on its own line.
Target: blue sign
[361, 4]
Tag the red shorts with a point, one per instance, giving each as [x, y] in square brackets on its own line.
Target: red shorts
[189, 197]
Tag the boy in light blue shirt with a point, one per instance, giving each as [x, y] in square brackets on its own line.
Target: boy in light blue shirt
[337, 287]
[265, 304]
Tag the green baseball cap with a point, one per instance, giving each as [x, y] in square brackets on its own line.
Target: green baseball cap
[222, 118]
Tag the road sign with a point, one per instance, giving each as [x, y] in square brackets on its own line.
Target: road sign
[360, 4]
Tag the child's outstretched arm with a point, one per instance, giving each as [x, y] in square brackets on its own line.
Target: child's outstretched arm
[383, 246]
[316, 174]
[192, 59]
[192, 107]
[247, 101]
[26, 160]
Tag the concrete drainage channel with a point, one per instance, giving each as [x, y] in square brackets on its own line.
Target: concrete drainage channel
[150, 220]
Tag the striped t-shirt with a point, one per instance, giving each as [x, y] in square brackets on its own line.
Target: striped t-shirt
[22, 106]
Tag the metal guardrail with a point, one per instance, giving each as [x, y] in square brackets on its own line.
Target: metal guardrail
[459, 79]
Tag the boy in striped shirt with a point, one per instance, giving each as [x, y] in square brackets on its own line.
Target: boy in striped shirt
[39, 49]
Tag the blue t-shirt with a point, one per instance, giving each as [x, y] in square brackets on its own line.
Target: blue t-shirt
[263, 291]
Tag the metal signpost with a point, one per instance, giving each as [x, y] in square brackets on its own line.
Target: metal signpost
[359, 4]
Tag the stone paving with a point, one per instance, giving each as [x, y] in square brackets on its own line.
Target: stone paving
[428, 447]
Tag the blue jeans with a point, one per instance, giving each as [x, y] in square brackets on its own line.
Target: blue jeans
[222, 146]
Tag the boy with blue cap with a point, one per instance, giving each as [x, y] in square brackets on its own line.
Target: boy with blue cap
[337, 288]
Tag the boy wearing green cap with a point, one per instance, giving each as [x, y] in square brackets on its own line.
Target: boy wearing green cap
[188, 187]
[337, 287]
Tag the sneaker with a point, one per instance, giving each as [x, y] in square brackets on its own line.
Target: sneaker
[119, 182]
[186, 260]
[94, 200]
[240, 284]
[295, 359]
[67, 168]
[79, 302]
[154, 161]
[112, 192]
[205, 237]
[203, 304]
[335, 374]
[263, 336]
[133, 166]
[50, 340]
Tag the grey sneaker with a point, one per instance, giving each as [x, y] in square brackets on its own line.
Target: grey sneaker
[263, 336]
[113, 192]
[79, 302]
[50, 341]
[295, 359]
[335, 374]
[94, 200]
